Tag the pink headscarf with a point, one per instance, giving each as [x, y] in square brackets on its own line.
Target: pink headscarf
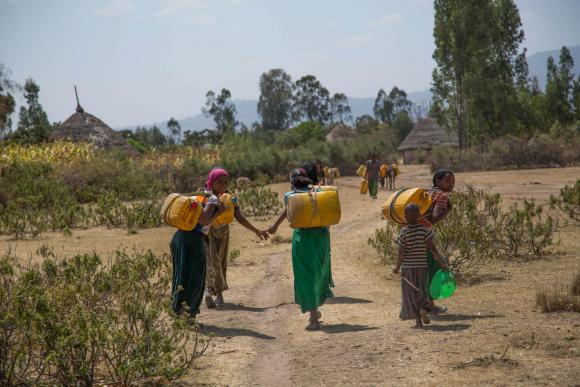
[214, 174]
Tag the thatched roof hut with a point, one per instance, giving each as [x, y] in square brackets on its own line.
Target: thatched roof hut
[425, 135]
[340, 131]
[84, 127]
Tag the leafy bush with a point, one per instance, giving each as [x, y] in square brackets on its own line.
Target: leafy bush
[568, 201]
[510, 153]
[476, 232]
[525, 231]
[257, 201]
[77, 321]
[384, 242]
[467, 236]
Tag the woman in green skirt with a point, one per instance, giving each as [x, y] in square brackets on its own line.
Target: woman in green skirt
[310, 258]
[189, 261]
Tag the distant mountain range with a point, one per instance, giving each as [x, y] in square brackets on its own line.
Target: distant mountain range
[248, 114]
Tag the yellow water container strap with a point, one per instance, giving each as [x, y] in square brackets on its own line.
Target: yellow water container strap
[314, 204]
[392, 206]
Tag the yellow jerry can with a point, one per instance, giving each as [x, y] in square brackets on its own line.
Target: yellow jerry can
[361, 171]
[394, 207]
[364, 186]
[319, 207]
[182, 211]
[227, 216]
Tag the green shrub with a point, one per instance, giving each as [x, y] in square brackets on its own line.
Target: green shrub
[568, 201]
[510, 153]
[384, 242]
[257, 201]
[77, 321]
[525, 231]
[476, 232]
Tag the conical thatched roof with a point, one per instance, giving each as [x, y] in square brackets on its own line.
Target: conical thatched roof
[84, 127]
[340, 131]
[425, 134]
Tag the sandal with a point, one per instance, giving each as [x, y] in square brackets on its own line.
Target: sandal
[219, 300]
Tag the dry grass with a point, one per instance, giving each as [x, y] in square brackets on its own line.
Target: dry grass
[560, 300]
[576, 285]
[487, 361]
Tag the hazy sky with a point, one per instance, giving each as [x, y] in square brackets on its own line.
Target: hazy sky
[142, 61]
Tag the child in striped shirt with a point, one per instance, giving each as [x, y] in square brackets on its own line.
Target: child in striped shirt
[414, 240]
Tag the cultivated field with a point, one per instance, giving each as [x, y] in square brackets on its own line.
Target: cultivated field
[492, 333]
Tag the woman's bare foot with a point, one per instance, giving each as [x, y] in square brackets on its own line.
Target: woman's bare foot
[424, 317]
[219, 299]
[209, 302]
[418, 324]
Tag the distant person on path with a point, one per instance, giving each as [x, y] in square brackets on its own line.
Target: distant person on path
[443, 184]
[414, 241]
[189, 261]
[373, 173]
[217, 239]
[310, 258]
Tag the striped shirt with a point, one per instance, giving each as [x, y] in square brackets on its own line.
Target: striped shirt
[414, 238]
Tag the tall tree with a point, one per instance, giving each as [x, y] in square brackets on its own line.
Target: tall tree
[174, 129]
[478, 65]
[340, 108]
[387, 107]
[576, 99]
[382, 107]
[33, 125]
[275, 102]
[559, 85]
[311, 101]
[565, 85]
[7, 102]
[508, 36]
[455, 49]
[223, 111]
[522, 71]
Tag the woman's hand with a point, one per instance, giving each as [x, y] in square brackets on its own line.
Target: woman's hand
[220, 209]
[395, 270]
[272, 230]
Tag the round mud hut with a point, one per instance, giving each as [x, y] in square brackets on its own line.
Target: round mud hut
[425, 135]
[84, 127]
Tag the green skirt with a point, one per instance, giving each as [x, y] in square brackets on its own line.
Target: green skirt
[373, 188]
[188, 256]
[311, 265]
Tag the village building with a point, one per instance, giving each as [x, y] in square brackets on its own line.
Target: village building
[425, 135]
[84, 127]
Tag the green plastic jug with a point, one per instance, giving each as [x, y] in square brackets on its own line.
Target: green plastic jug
[442, 285]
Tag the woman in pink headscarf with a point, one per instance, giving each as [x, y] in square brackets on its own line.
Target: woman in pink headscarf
[218, 237]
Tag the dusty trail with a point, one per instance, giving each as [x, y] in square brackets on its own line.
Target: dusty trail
[259, 336]
[362, 341]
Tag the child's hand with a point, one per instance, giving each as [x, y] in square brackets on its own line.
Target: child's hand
[395, 270]
[262, 234]
[272, 230]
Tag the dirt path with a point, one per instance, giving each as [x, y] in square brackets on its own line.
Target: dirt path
[259, 336]
[363, 342]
